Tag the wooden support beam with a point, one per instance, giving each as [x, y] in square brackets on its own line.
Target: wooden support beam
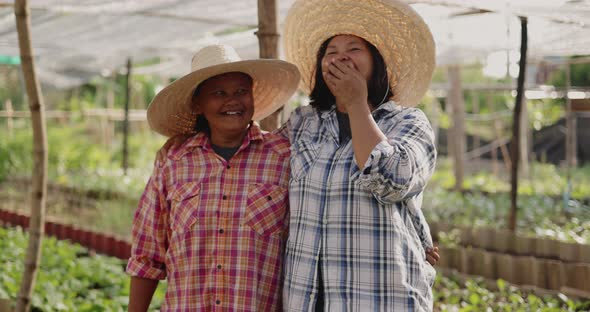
[515, 146]
[268, 41]
[455, 98]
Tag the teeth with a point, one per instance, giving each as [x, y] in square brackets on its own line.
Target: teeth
[232, 113]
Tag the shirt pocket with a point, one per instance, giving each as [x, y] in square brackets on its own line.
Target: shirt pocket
[266, 209]
[303, 155]
[185, 202]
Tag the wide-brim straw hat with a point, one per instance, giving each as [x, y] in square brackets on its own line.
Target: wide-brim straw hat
[171, 111]
[399, 33]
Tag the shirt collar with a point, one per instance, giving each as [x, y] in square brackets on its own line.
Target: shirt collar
[378, 113]
[202, 140]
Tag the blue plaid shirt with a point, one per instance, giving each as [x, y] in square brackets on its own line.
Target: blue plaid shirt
[366, 226]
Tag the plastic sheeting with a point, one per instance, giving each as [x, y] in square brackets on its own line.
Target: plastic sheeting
[77, 39]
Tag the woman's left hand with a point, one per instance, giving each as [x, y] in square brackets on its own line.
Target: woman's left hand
[432, 255]
[346, 83]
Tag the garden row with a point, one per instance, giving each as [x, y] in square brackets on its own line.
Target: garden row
[526, 261]
[103, 243]
[505, 241]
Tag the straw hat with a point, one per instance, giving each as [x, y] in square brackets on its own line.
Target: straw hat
[398, 32]
[171, 111]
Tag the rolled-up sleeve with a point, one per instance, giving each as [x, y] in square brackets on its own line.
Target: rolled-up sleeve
[399, 168]
[149, 234]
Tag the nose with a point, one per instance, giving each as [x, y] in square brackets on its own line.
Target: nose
[343, 57]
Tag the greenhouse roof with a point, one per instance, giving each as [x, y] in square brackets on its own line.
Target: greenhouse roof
[74, 40]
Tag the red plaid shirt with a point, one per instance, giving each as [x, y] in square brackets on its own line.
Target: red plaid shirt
[215, 228]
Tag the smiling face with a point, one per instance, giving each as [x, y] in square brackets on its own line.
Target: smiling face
[351, 50]
[227, 103]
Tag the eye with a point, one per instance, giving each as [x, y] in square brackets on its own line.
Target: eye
[219, 93]
[331, 53]
[355, 49]
[242, 91]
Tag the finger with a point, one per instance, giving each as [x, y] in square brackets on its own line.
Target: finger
[336, 71]
[345, 67]
[431, 260]
[435, 253]
[436, 256]
[330, 78]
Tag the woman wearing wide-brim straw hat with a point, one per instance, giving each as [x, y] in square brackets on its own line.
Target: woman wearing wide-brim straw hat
[361, 158]
[214, 214]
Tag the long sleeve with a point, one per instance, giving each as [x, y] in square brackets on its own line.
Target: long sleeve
[149, 232]
[400, 167]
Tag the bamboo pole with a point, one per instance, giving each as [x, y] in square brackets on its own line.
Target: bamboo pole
[515, 146]
[39, 178]
[268, 41]
[455, 98]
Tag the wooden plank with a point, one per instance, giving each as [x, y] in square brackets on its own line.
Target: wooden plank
[455, 99]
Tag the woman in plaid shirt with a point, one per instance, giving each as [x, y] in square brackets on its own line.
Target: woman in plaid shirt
[213, 217]
[360, 158]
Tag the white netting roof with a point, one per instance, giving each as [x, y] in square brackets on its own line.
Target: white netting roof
[77, 39]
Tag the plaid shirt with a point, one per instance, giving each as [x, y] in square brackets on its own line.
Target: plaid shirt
[214, 228]
[366, 227]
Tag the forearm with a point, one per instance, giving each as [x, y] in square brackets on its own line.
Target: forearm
[140, 294]
[365, 133]
[400, 166]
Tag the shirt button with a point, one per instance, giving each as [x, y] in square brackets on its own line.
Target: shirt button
[326, 221]
[224, 197]
[220, 231]
[218, 302]
[219, 266]
[269, 197]
[228, 167]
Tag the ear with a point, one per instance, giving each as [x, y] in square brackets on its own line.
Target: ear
[196, 105]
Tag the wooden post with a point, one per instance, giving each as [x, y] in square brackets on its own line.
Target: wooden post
[475, 110]
[126, 119]
[515, 146]
[110, 105]
[9, 113]
[39, 177]
[450, 134]
[455, 98]
[570, 141]
[268, 40]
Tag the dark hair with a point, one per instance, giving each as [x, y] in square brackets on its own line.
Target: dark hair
[322, 98]
[202, 124]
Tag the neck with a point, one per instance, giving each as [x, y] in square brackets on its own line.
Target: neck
[228, 139]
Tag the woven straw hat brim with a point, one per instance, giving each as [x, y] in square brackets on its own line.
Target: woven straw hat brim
[399, 33]
[275, 81]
